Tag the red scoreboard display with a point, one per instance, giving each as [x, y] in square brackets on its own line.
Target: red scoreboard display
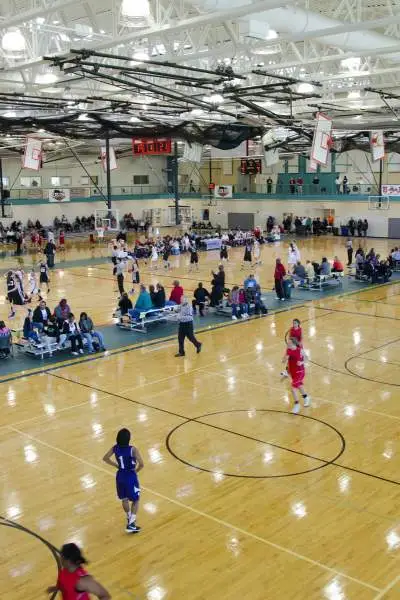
[250, 166]
[151, 146]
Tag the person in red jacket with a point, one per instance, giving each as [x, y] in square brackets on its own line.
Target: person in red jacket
[74, 582]
[279, 274]
[337, 266]
[176, 293]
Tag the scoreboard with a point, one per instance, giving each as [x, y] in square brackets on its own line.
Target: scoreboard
[250, 166]
[151, 146]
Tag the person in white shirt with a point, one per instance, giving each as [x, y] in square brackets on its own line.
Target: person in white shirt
[293, 255]
[153, 258]
[71, 329]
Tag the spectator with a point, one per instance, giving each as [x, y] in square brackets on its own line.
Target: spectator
[250, 282]
[337, 266]
[62, 312]
[159, 296]
[200, 297]
[300, 182]
[72, 331]
[337, 184]
[41, 315]
[124, 304]
[365, 227]
[144, 301]
[269, 185]
[243, 304]
[325, 268]
[292, 185]
[88, 332]
[359, 227]
[279, 274]
[345, 185]
[28, 329]
[218, 286]
[299, 271]
[6, 340]
[309, 270]
[176, 293]
[52, 335]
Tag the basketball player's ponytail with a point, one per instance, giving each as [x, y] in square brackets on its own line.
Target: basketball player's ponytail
[73, 554]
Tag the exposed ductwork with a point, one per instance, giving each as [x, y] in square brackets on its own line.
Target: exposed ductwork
[295, 24]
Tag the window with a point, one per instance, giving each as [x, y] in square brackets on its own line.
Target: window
[92, 180]
[31, 182]
[140, 180]
[61, 181]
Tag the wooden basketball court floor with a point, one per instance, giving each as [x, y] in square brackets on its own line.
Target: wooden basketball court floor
[240, 498]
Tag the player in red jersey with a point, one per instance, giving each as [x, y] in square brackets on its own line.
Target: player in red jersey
[294, 332]
[295, 357]
[61, 240]
[73, 581]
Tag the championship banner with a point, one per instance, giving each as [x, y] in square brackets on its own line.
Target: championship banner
[322, 141]
[390, 190]
[59, 195]
[113, 160]
[223, 191]
[377, 144]
[270, 138]
[33, 154]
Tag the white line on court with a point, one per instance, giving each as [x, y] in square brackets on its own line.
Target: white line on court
[269, 386]
[207, 516]
[387, 589]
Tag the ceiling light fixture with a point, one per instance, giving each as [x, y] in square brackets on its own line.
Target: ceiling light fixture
[134, 120]
[351, 64]
[135, 9]
[46, 78]
[305, 88]
[13, 41]
[11, 114]
[354, 95]
[140, 56]
[214, 99]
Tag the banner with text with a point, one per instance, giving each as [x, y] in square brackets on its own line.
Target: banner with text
[113, 160]
[33, 154]
[377, 144]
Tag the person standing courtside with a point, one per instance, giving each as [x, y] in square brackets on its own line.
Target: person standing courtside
[185, 318]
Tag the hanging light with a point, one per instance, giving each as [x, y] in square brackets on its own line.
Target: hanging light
[135, 9]
[46, 78]
[11, 114]
[13, 41]
[354, 95]
[214, 99]
[305, 88]
[140, 56]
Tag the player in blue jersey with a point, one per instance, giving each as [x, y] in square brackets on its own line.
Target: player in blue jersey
[128, 462]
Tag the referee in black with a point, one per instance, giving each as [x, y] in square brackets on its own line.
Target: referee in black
[185, 318]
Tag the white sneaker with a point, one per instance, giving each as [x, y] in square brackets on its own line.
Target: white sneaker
[74, 354]
[296, 408]
[243, 316]
[234, 318]
[307, 401]
[80, 351]
[284, 373]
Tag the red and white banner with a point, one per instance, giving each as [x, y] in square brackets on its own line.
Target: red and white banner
[33, 154]
[390, 190]
[377, 144]
[322, 140]
[113, 160]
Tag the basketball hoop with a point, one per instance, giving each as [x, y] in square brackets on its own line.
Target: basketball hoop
[374, 140]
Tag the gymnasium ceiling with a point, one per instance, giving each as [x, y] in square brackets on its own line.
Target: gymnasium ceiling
[213, 71]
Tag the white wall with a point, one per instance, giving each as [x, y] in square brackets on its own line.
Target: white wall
[154, 167]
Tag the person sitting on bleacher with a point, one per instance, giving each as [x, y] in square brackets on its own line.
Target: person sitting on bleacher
[143, 302]
[62, 312]
[52, 335]
[158, 298]
[29, 330]
[124, 305]
[250, 282]
[325, 267]
[337, 266]
[384, 271]
[73, 333]
[176, 293]
[5, 340]
[200, 296]
[41, 315]
[299, 272]
[395, 257]
[310, 273]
